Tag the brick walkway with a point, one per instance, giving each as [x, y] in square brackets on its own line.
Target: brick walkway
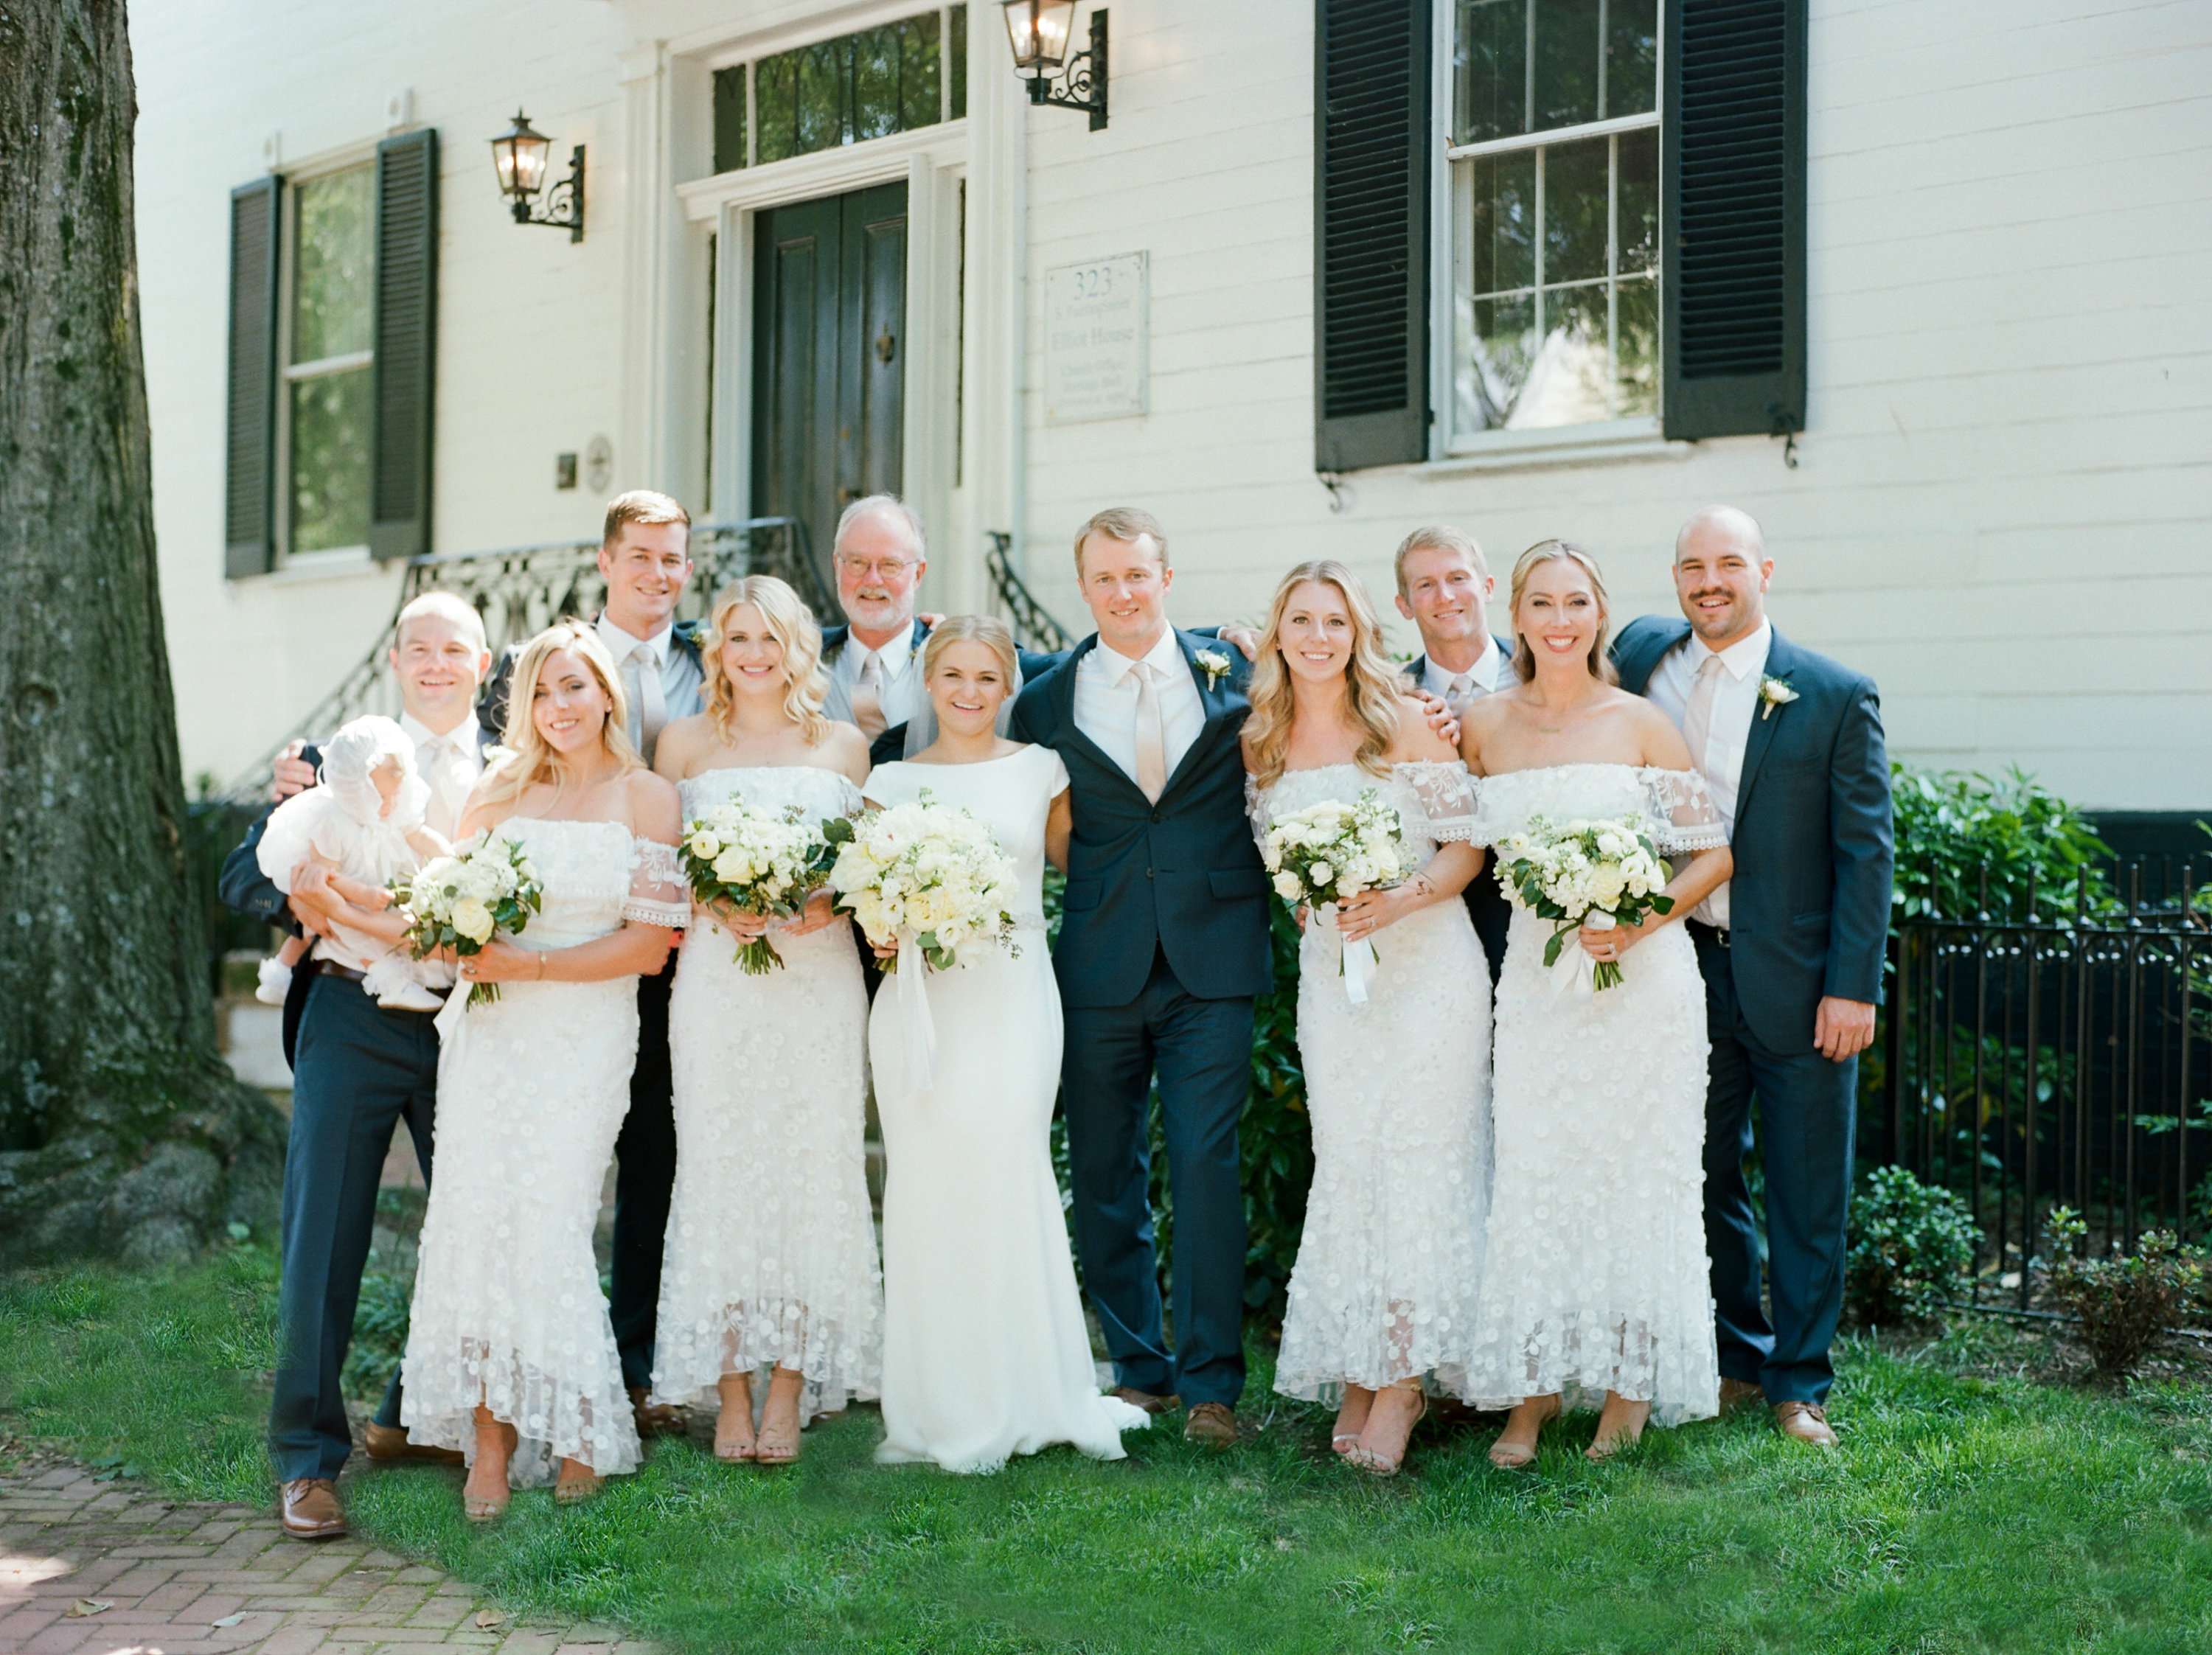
[177, 1576]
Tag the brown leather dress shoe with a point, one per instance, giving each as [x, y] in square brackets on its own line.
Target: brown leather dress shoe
[1740, 1393]
[309, 1509]
[1146, 1400]
[388, 1444]
[1211, 1425]
[654, 1419]
[1808, 1421]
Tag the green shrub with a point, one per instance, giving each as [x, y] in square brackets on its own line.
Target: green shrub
[2125, 1303]
[1953, 827]
[1912, 1244]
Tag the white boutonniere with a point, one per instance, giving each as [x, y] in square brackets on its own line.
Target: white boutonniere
[1773, 692]
[1214, 664]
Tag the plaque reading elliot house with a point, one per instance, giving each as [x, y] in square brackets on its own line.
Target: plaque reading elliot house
[1094, 325]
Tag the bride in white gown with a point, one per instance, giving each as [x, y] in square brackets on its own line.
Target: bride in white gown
[510, 1353]
[1596, 1278]
[985, 1351]
[771, 1256]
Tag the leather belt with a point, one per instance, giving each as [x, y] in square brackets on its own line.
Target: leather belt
[330, 969]
[1715, 934]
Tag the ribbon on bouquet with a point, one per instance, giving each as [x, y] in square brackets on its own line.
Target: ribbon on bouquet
[452, 1018]
[914, 1012]
[1358, 962]
[1574, 973]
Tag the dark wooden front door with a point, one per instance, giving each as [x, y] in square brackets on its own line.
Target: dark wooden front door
[829, 359]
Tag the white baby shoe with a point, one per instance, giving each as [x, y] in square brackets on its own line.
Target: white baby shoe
[276, 982]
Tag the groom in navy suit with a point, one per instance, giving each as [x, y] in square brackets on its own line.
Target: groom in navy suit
[1163, 947]
[1791, 948]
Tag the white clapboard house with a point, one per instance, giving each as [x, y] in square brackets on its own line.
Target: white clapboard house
[1920, 283]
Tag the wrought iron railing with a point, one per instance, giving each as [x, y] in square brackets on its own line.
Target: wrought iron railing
[2033, 1058]
[1033, 624]
[523, 589]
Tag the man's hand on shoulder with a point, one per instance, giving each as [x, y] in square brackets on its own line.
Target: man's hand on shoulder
[1842, 1028]
[293, 773]
[1439, 716]
[1246, 639]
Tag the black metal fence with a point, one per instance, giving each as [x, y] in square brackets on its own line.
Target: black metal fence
[2033, 1058]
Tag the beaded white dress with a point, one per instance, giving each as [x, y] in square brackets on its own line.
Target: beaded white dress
[1398, 1090]
[1596, 1275]
[532, 1087]
[985, 1351]
[771, 1254]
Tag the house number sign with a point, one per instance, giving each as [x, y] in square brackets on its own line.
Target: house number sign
[1094, 323]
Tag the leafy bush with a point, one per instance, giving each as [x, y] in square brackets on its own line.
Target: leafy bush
[1912, 1244]
[1952, 827]
[2125, 1303]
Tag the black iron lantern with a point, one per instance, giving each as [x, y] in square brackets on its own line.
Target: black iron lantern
[519, 156]
[1041, 32]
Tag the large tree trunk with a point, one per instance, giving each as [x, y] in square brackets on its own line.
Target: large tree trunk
[120, 1129]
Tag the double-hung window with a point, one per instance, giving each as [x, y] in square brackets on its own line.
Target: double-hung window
[328, 407]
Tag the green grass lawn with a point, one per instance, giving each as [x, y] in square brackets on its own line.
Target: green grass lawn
[1971, 1509]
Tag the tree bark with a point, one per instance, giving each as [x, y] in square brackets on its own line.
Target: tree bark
[120, 1129]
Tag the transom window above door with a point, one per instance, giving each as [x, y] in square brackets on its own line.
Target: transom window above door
[896, 77]
[1554, 183]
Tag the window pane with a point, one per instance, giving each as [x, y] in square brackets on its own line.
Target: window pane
[1637, 337]
[1570, 381]
[1504, 221]
[824, 75]
[1490, 60]
[868, 85]
[1497, 338]
[1566, 61]
[1575, 209]
[956, 51]
[921, 98]
[1637, 157]
[1631, 63]
[333, 260]
[775, 106]
[330, 460]
[729, 118]
[876, 82]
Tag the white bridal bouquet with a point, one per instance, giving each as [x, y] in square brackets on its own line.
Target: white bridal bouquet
[924, 875]
[758, 861]
[1321, 855]
[462, 901]
[1601, 874]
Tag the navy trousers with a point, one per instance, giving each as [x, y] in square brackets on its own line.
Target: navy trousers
[645, 1183]
[1808, 1115]
[359, 1071]
[1202, 1051]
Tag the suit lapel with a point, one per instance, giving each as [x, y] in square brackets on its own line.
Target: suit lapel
[1781, 658]
[1070, 733]
[1220, 702]
[1636, 669]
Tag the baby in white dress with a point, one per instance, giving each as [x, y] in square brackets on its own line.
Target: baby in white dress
[364, 822]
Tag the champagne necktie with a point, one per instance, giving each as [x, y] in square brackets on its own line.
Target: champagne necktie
[649, 703]
[868, 697]
[1698, 713]
[1459, 695]
[1152, 738]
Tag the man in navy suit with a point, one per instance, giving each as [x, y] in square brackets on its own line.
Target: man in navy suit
[1444, 588]
[1163, 947]
[1791, 946]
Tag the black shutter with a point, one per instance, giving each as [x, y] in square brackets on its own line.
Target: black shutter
[1734, 192]
[406, 338]
[250, 416]
[1371, 159]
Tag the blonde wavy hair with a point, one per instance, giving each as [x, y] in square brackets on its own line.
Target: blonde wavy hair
[530, 759]
[805, 684]
[1557, 551]
[1371, 687]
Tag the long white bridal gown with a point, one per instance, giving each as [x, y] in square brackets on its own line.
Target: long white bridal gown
[532, 1087]
[1398, 1090]
[771, 1255]
[985, 1351]
[1595, 1277]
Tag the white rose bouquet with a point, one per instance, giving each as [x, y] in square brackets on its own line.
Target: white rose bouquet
[1319, 856]
[756, 860]
[927, 873]
[1599, 874]
[462, 901]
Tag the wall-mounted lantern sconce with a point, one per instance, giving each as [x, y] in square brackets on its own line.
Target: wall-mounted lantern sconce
[1039, 31]
[519, 157]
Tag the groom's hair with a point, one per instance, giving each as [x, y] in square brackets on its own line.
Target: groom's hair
[1129, 523]
[458, 610]
[641, 505]
[1440, 537]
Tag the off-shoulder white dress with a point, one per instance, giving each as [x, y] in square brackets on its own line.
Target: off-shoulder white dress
[1398, 1090]
[1594, 1277]
[532, 1087]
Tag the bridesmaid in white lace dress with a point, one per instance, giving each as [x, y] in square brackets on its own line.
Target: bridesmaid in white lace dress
[771, 1257]
[1596, 1278]
[1382, 1301]
[985, 1351]
[510, 1354]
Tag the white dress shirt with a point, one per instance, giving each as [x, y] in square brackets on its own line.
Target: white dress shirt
[1743, 664]
[451, 764]
[1481, 677]
[899, 689]
[680, 680]
[1106, 702]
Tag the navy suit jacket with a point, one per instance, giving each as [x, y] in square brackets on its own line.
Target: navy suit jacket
[1809, 903]
[1181, 876]
[1487, 904]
